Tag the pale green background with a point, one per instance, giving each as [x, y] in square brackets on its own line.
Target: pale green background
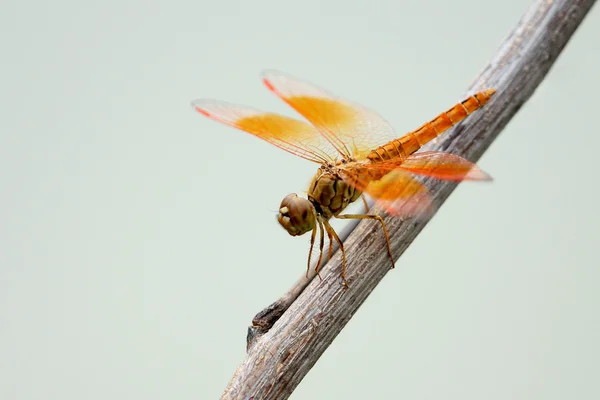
[139, 239]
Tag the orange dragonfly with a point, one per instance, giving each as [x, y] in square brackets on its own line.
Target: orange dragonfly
[358, 153]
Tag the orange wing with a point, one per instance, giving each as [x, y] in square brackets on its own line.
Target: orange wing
[398, 192]
[352, 129]
[435, 164]
[444, 166]
[289, 134]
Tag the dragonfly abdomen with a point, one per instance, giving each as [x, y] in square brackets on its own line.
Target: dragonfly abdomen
[413, 141]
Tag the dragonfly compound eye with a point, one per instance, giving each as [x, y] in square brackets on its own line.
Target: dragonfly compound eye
[296, 215]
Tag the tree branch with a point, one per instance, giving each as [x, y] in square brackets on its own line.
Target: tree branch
[279, 359]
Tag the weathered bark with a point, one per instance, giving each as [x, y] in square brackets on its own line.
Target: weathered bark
[281, 356]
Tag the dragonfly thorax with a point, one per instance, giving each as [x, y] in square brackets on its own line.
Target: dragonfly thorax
[329, 193]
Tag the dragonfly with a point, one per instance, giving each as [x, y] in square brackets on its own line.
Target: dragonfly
[358, 153]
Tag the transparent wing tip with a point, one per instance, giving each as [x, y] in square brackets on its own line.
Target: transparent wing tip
[476, 174]
[271, 73]
[271, 78]
[203, 106]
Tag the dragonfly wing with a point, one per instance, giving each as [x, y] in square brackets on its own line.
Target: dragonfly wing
[435, 164]
[397, 191]
[444, 166]
[352, 129]
[294, 136]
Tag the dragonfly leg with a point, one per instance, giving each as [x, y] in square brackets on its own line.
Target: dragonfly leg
[378, 218]
[331, 232]
[330, 252]
[365, 203]
[321, 244]
[312, 244]
[313, 236]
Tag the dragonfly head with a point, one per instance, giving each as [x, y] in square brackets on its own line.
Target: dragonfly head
[296, 215]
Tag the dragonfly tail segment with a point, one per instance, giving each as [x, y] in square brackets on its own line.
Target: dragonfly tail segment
[413, 141]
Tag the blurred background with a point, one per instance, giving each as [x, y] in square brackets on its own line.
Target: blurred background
[138, 239]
